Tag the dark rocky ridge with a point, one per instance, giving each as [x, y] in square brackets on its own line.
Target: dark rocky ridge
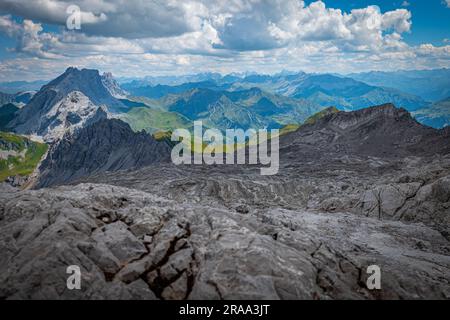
[104, 145]
[381, 131]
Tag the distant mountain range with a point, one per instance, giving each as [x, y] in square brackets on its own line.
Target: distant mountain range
[21, 86]
[330, 90]
[78, 98]
[437, 115]
[21, 98]
[160, 90]
[324, 90]
[431, 85]
[222, 109]
[179, 80]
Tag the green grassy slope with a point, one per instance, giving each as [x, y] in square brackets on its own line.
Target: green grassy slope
[311, 120]
[154, 120]
[18, 165]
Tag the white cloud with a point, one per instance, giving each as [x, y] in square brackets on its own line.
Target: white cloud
[8, 26]
[259, 25]
[30, 38]
[189, 36]
[116, 18]
[240, 24]
[430, 50]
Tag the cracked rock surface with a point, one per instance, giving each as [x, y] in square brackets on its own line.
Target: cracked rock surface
[132, 244]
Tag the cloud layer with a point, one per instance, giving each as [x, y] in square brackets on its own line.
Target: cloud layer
[235, 35]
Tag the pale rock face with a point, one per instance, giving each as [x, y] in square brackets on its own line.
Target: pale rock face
[69, 115]
[112, 86]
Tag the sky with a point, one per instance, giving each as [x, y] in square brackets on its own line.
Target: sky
[135, 38]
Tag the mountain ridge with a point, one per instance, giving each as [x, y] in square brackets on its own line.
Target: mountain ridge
[379, 131]
[432, 85]
[106, 145]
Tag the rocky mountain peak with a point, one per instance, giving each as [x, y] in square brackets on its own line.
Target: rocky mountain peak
[381, 113]
[77, 94]
[113, 86]
[75, 74]
[96, 87]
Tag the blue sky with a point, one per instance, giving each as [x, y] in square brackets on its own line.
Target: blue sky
[430, 20]
[138, 38]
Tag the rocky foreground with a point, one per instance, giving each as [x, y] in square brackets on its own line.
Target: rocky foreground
[226, 232]
[227, 242]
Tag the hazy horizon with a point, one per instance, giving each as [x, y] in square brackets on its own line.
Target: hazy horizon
[125, 79]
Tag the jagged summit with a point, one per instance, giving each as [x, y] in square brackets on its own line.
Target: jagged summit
[113, 86]
[382, 112]
[89, 82]
[75, 93]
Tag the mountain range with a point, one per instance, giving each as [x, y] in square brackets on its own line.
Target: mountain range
[79, 97]
[431, 85]
[381, 131]
[254, 100]
[70, 106]
[21, 98]
[436, 115]
[324, 90]
[13, 87]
